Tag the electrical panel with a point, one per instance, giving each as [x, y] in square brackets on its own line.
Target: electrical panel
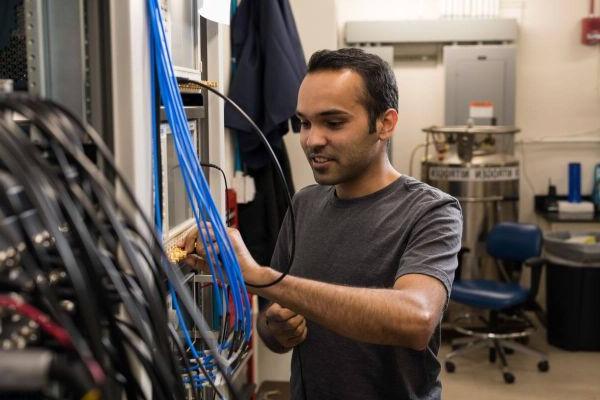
[480, 84]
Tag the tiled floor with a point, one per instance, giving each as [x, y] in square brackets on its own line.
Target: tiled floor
[572, 376]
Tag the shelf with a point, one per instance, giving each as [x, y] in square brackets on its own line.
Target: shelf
[554, 217]
[192, 112]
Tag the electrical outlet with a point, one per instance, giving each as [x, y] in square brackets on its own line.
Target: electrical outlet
[590, 30]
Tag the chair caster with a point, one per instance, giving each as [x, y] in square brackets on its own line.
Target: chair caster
[543, 366]
[450, 367]
[508, 377]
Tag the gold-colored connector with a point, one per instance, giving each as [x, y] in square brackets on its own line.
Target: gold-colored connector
[192, 87]
[176, 254]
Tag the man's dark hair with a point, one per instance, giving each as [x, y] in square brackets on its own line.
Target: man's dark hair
[381, 91]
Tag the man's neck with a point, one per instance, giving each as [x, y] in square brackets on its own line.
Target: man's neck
[368, 183]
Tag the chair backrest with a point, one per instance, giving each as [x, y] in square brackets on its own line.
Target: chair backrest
[514, 242]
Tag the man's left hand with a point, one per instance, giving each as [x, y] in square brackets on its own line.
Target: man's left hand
[251, 270]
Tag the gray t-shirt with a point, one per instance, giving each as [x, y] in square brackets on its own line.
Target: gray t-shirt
[405, 228]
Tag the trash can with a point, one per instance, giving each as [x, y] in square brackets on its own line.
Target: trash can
[573, 290]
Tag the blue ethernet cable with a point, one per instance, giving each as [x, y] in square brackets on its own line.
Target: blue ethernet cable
[186, 333]
[186, 166]
[198, 193]
[234, 277]
[185, 170]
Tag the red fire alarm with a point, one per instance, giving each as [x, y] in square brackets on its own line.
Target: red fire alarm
[590, 30]
[590, 27]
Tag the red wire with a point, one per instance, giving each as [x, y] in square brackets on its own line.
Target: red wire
[57, 332]
[29, 311]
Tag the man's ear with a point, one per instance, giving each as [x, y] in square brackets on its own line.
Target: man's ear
[388, 124]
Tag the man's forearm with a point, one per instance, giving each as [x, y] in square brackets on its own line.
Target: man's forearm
[381, 316]
[266, 336]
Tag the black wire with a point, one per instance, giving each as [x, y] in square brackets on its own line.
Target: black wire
[210, 165]
[158, 253]
[186, 302]
[184, 359]
[149, 293]
[280, 173]
[70, 207]
[156, 317]
[198, 361]
[12, 155]
[145, 362]
[155, 360]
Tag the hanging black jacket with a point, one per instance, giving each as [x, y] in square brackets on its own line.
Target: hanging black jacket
[269, 67]
[266, 75]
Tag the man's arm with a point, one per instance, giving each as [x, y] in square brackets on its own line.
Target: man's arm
[403, 316]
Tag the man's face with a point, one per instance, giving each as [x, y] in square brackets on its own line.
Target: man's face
[335, 127]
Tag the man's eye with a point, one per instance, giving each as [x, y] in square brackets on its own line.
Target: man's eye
[334, 124]
[305, 124]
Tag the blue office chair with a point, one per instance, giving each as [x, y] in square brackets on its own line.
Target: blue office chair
[512, 246]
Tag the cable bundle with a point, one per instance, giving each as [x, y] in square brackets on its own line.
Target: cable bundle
[227, 279]
[83, 271]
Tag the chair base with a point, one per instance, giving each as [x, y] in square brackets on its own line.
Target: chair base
[511, 326]
[496, 347]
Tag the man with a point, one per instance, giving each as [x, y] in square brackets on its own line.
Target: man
[375, 250]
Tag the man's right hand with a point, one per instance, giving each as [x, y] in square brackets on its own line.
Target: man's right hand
[285, 326]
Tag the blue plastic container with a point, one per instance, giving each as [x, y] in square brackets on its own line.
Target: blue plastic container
[574, 182]
[596, 189]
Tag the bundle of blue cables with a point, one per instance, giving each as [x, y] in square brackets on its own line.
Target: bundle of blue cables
[226, 275]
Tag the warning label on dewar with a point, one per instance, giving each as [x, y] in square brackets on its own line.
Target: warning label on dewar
[474, 174]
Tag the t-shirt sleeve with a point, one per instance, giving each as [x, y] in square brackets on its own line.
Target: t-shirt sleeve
[434, 243]
[281, 254]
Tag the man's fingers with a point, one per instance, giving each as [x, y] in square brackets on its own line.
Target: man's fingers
[292, 326]
[196, 262]
[299, 328]
[192, 241]
[296, 340]
[189, 240]
[212, 251]
[277, 313]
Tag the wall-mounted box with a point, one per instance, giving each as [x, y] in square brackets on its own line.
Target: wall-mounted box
[590, 30]
[432, 31]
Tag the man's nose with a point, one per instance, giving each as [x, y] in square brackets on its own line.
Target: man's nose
[315, 137]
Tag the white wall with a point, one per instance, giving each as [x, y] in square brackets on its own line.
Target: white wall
[558, 93]
[315, 20]
[558, 86]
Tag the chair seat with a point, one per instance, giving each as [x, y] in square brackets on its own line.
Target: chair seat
[487, 294]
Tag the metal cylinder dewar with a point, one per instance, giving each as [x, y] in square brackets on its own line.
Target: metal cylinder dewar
[475, 164]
